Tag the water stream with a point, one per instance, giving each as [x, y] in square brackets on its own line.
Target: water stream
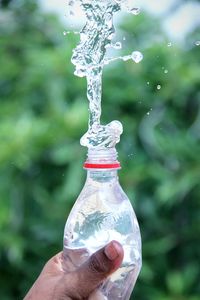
[89, 59]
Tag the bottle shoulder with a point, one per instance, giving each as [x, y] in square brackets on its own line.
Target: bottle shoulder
[105, 207]
[107, 197]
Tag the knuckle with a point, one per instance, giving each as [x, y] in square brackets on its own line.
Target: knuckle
[98, 264]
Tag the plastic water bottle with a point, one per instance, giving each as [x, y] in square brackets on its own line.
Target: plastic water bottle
[103, 213]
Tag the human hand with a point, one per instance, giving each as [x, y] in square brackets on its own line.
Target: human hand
[55, 284]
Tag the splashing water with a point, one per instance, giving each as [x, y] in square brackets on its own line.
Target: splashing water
[89, 60]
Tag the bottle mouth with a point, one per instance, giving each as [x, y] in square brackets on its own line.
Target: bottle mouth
[102, 159]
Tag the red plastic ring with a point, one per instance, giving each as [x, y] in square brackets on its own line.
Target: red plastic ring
[102, 166]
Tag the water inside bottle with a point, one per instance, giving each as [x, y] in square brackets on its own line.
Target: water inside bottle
[101, 214]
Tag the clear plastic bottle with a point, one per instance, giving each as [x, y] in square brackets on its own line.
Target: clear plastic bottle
[103, 213]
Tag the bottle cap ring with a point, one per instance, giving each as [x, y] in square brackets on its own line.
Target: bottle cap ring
[102, 166]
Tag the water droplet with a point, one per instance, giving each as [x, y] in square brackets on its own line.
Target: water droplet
[117, 45]
[65, 32]
[148, 82]
[197, 43]
[148, 113]
[158, 87]
[124, 38]
[137, 56]
[169, 44]
[135, 11]
[126, 57]
[166, 71]
[108, 17]
[79, 73]
[111, 36]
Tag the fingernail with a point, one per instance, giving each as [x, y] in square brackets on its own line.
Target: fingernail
[112, 250]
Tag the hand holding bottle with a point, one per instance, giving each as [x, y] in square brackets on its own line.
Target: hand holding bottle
[55, 284]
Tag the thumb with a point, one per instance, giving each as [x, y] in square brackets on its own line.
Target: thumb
[98, 267]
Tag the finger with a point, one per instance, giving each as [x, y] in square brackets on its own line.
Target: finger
[96, 295]
[54, 265]
[97, 268]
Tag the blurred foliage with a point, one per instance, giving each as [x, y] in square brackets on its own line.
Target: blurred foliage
[42, 116]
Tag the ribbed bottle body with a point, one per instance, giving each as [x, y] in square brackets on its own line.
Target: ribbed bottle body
[103, 213]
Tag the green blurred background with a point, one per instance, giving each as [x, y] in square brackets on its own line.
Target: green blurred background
[44, 112]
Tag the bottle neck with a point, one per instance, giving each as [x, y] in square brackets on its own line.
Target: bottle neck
[102, 159]
[102, 175]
